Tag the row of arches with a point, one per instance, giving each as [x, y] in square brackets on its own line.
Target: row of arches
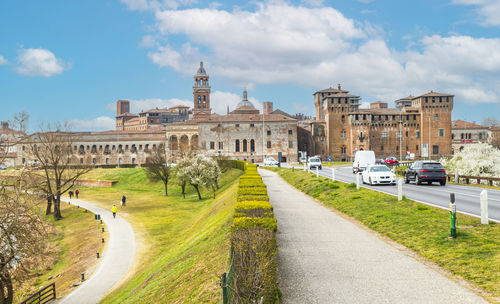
[182, 143]
[119, 148]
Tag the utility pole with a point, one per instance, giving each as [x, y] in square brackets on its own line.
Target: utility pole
[429, 148]
[263, 138]
[400, 137]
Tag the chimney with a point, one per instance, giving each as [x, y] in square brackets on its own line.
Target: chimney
[268, 107]
[122, 106]
[5, 125]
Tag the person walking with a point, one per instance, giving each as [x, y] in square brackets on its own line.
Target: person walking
[124, 199]
[76, 193]
[70, 194]
[114, 209]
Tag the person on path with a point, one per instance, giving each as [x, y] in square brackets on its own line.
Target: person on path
[124, 199]
[70, 194]
[114, 209]
[76, 193]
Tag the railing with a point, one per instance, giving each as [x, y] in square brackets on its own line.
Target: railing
[478, 179]
[226, 282]
[44, 295]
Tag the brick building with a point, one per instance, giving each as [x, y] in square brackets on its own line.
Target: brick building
[418, 125]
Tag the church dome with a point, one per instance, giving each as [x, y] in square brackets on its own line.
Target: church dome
[245, 102]
[201, 70]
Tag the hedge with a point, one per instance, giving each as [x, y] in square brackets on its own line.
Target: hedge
[254, 242]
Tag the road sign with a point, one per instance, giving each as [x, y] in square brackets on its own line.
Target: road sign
[329, 159]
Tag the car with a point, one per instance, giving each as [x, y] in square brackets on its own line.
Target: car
[270, 162]
[315, 162]
[3, 167]
[391, 161]
[303, 159]
[426, 172]
[378, 175]
[362, 159]
[380, 161]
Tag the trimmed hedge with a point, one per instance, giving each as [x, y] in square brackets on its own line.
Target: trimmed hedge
[254, 242]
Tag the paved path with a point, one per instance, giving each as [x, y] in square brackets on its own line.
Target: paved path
[324, 258]
[116, 260]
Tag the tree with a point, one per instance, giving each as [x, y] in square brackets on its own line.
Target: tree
[59, 168]
[478, 159]
[491, 122]
[157, 168]
[212, 173]
[195, 173]
[181, 175]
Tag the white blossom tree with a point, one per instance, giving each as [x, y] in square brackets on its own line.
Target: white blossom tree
[478, 159]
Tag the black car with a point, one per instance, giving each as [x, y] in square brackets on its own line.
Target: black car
[426, 172]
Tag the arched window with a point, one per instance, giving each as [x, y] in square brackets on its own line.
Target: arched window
[199, 99]
[244, 145]
[204, 98]
[237, 146]
[252, 145]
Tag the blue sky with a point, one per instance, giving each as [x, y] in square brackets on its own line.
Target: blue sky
[71, 60]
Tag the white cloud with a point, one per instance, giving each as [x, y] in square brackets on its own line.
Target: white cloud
[137, 106]
[3, 60]
[488, 10]
[101, 123]
[39, 62]
[156, 4]
[314, 47]
[219, 101]
[301, 108]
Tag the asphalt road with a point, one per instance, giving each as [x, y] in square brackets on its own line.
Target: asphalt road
[466, 197]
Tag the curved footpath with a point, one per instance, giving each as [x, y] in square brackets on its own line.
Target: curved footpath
[325, 258]
[116, 260]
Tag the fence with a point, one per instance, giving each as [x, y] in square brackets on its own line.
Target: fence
[227, 282]
[478, 179]
[44, 295]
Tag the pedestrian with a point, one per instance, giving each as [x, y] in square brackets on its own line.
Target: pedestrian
[114, 209]
[76, 193]
[70, 194]
[124, 199]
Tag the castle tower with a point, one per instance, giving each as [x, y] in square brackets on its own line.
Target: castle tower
[201, 94]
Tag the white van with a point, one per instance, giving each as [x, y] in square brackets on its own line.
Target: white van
[362, 159]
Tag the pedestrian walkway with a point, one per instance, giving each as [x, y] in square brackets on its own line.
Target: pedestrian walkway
[325, 258]
[116, 260]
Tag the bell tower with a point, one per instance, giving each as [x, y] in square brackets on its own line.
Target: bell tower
[201, 94]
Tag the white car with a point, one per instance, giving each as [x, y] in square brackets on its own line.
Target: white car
[315, 162]
[378, 175]
[270, 162]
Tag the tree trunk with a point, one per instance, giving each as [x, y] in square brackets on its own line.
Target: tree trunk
[166, 188]
[183, 186]
[6, 290]
[197, 191]
[49, 207]
[217, 182]
[57, 209]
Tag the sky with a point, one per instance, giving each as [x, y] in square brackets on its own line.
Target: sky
[72, 60]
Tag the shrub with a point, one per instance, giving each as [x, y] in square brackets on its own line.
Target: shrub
[253, 198]
[252, 191]
[254, 209]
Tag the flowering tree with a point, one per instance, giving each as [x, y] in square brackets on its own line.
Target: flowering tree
[478, 159]
[199, 171]
[212, 173]
[181, 175]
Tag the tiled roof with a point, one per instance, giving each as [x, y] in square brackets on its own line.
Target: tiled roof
[431, 93]
[247, 118]
[465, 124]
[127, 114]
[342, 95]
[331, 90]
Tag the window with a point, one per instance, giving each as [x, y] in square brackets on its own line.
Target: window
[384, 134]
[342, 134]
[237, 125]
[212, 145]
[462, 136]
[199, 99]
[382, 148]
[244, 145]
[133, 161]
[480, 135]
[269, 144]
[290, 132]
[221, 145]
[399, 134]
[252, 145]
[433, 99]
[290, 144]
[342, 150]
[237, 146]
[441, 132]
[417, 134]
[219, 125]
[343, 118]
[435, 149]
[452, 136]
[416, 147]
[268, 132]
[252, 125]
[406, 136]
[436, 117]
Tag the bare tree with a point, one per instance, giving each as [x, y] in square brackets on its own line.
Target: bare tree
[157, 168]
[59, 168]
[491, 122]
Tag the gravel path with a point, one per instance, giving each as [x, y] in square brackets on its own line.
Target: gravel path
[324, 258]
[115, 262]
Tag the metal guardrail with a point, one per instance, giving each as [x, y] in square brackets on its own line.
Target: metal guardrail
[478, 179]
[43, 296]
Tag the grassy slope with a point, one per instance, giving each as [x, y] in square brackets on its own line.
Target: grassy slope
[185, 240]
[69, 256]
[474, 255]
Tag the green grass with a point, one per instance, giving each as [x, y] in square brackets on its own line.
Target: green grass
[474, 255]
[184, 243]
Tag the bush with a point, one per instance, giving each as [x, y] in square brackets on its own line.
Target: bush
[254, 209]
[253, 198]
[252, 191]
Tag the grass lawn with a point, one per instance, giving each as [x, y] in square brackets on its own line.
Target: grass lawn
[183, 243]
[474, 255]
[335, 163]
[73, 250]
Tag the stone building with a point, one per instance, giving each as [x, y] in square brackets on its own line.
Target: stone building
[241, 134]
[464, 133]
[421, 127]
[8, 145]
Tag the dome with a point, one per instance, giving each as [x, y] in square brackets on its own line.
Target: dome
[245, 102]
[201, 70]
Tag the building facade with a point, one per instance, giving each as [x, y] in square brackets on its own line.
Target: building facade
[464, 133]
[421, 128]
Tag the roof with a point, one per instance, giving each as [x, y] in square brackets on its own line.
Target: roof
[127, 114]
[465, 124]
[342, 95]
[247, 118]
[331, 90]
[179, 106]
[431, 94]
[278, 111]
[201, 70]
[383, 111]
[406, 98]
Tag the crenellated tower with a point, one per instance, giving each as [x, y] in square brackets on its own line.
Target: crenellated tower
[201, 94]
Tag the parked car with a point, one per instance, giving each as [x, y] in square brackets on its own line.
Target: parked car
[270, 162]
[3, 167]
[380, 161]
[315, 162]
[378, 175]
[363, 159]
[391, 161]
[426, 171]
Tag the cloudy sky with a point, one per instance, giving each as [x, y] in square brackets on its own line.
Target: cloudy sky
[71, 60]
